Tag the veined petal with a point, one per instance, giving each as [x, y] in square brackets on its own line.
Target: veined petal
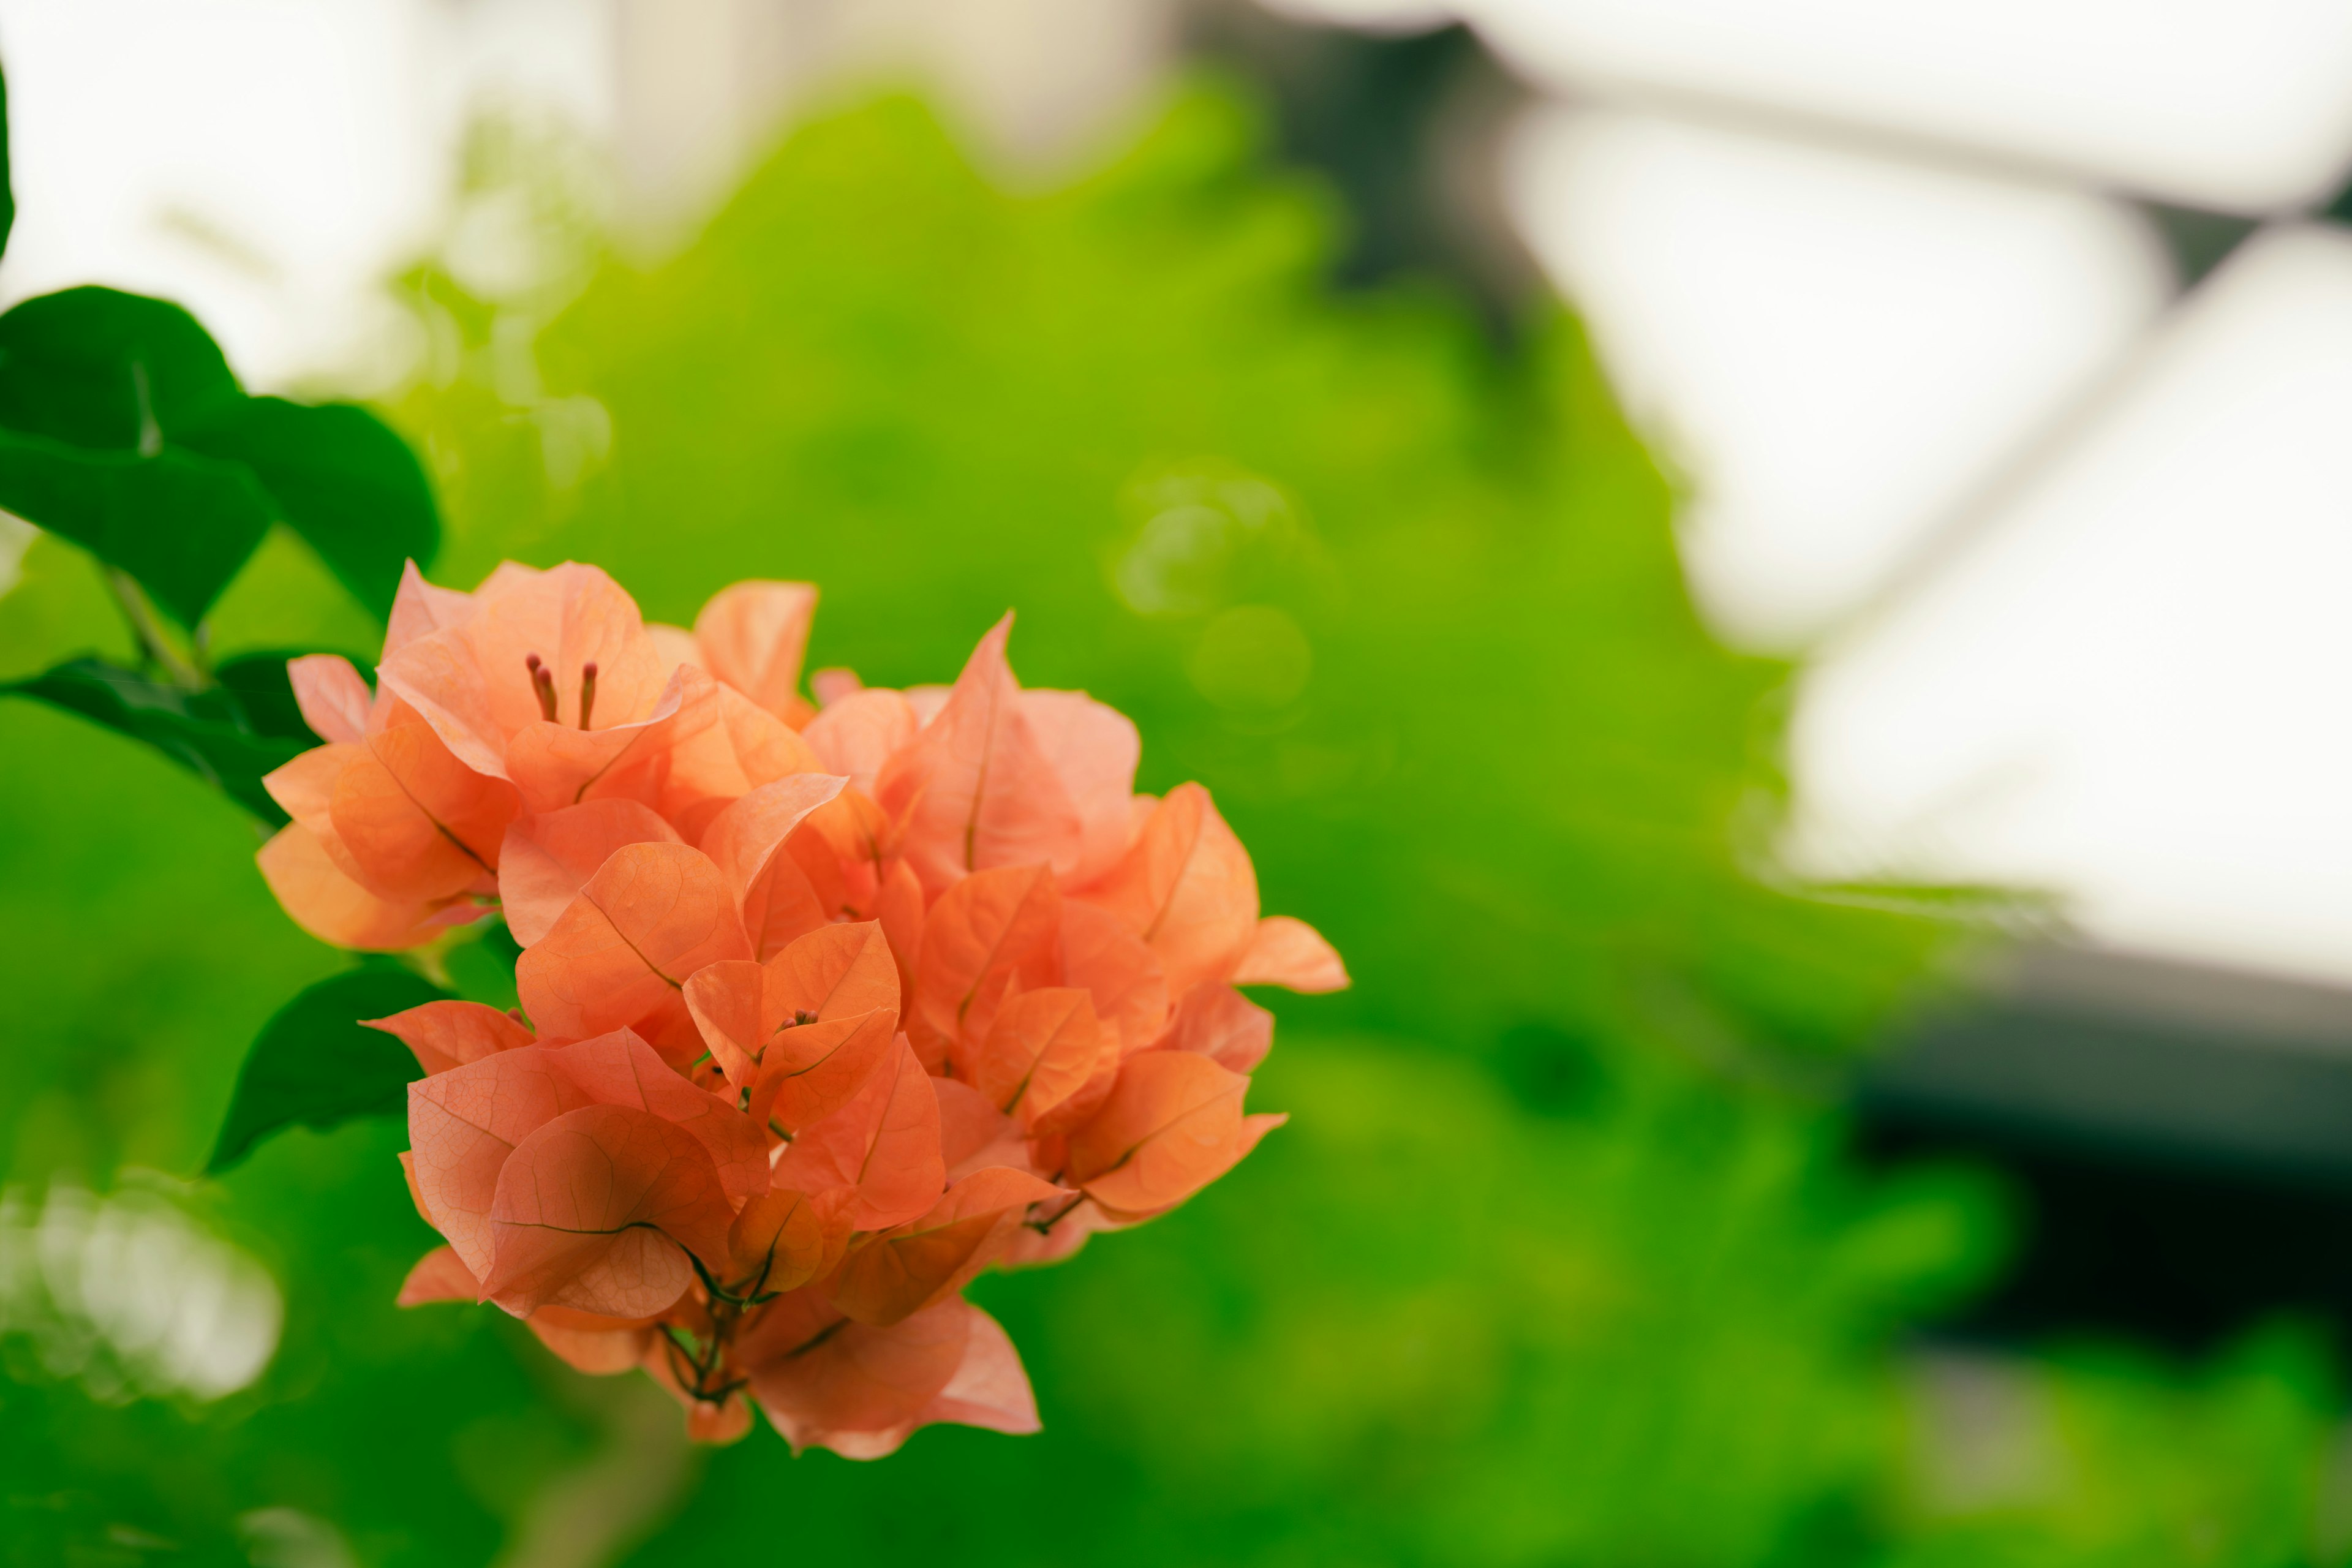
[546, 857]
[650, 916]
[1292, 953]
[975, 789]
[751, 635]
[598, 1210]
[447, 1035]
[334, 700]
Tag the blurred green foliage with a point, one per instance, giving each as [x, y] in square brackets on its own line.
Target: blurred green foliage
[1562, 1259]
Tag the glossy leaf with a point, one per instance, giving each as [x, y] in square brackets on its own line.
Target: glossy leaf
[343, 480]
[122, 428]
[181, 523]
[103, 370]
[202, 732]
[7, 188]
[262, 687]
[315, 1064]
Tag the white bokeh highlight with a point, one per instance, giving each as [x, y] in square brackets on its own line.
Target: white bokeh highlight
[267, 164]
[2236, 104]
[131, 1295]
[1834, 350]
[2135, 689]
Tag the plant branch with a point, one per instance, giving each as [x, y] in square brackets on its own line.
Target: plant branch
[186, 670]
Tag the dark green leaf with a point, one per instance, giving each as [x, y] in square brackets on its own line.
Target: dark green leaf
[315, 1064]
[114, 371]
[343, 480]
[256, 682]
[202, 732]
[7, 187]
[180, 524]
[127, 433]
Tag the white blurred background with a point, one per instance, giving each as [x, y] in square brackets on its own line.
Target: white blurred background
[2004, 350]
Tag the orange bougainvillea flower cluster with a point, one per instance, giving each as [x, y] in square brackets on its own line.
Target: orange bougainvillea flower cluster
[825, 1008]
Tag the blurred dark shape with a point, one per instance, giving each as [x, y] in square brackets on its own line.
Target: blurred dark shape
[2181, 1135]
[1409, 129]
[2196, 240]
[1548, 1070]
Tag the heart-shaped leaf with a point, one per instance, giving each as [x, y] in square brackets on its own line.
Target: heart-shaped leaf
[341, 480]
[179, 523]
[122, 428]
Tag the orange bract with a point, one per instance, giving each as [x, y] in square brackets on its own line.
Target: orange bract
[882, 1147]
[546, 858]
[751, 635]
[447, 1035]
[991, 932]
[1172, 1124]
[910, 1266]
[650, 916]
[600, 1210]
[1186, 887]
[823, 1011]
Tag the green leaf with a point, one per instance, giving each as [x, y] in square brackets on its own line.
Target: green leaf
[8, 189]
[122, 428]
[314, 1064]
[257, 684]
[344, 481]
[204, 731]
[180, 524]
[100, 369]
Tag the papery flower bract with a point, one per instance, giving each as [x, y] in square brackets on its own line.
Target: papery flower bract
[392, 835]
[752, 636]
[630, 1179]
[828, 1010]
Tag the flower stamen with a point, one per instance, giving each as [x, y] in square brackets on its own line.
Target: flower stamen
[542, 685]
[587, 691]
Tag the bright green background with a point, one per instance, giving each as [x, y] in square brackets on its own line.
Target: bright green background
[1562, 1259]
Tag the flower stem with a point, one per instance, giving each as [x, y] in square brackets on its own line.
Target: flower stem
[186, 670]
